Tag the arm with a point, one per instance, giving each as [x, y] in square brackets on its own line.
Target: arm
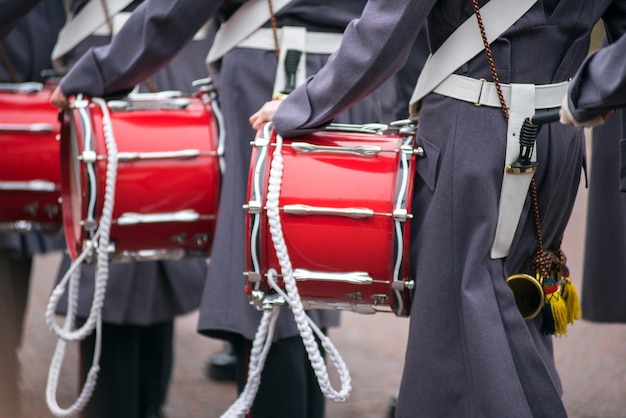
[156, 30]
[374, 47]
[600, 84]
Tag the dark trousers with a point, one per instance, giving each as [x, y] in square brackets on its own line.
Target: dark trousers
[135, 370]
[14, 284]
[289, 387]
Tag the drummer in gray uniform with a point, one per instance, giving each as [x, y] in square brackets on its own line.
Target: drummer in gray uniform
[245, 75]
[250, 70]
[26, 45]
[142, 298]
[598, 89]
[470, 352]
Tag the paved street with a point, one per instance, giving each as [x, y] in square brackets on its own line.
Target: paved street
[591, 359]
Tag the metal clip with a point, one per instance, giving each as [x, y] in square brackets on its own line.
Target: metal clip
[480, 92]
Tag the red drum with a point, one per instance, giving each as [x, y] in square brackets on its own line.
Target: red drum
[345, 210]
[168, 174]
[30, 179]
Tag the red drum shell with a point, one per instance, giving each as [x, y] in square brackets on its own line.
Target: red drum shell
[337, 244]
[29, 155]
[145, 186]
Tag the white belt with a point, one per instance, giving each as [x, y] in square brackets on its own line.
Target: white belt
[294, 38]
[522, 101]
[314, 42]
[484, 93]
[120, 19]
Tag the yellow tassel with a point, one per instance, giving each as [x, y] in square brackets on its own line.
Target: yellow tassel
[559, 313]
[572, 301]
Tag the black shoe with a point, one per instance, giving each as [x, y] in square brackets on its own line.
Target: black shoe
[392, 408]
[221, 367]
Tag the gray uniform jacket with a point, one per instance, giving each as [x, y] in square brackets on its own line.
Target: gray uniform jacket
[469, 353]
[600, 86]
[148, 292]
[28, 46]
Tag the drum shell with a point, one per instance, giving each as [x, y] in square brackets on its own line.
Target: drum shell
[29, 156]
[146, 186]
[338, 244]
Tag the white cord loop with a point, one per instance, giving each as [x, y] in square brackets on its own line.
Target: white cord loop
[305, 325]
[94, 320]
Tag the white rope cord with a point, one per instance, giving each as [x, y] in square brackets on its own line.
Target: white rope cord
[260, 347]
[303, 322]
[331, 351]
[94, 320]
[265, 332]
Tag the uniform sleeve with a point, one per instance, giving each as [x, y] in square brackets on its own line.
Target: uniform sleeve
[374, 47]
[151, 37]
[600, 84]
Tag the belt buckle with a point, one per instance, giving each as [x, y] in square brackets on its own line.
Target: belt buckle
[480, 92]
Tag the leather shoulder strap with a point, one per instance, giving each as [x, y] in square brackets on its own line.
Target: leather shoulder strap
[85, 23]
[465, 43]
[248, 18]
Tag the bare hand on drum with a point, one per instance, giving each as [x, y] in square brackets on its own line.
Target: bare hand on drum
[58, 99]
[264, 114]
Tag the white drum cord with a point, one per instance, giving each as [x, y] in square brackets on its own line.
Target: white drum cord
[94, 320]
[305, 325]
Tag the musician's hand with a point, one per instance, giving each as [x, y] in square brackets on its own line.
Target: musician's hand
[264, 114]
[567, 118]
[58, 99]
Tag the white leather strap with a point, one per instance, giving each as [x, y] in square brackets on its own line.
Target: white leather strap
[465, 43]
[248, 18]
[314, 42]
[85, 23]
[117, 22]
[292, 38]
[514, 186]
[484, 93]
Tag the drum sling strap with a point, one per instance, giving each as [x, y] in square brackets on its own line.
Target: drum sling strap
[246, 20]
[86, 22]
[522, 100]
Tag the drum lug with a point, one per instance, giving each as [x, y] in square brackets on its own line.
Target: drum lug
[355, 296]
[79, 102]
[88, 157]
[408, 149]
[31, 209]
[401, 215]
[201, 239]
[253, 207]
[379, 299]
[261, 141]
[179, 238]
[264, 302]
[51, 210]
[89, 225]
[253, 276]
[403, 285]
